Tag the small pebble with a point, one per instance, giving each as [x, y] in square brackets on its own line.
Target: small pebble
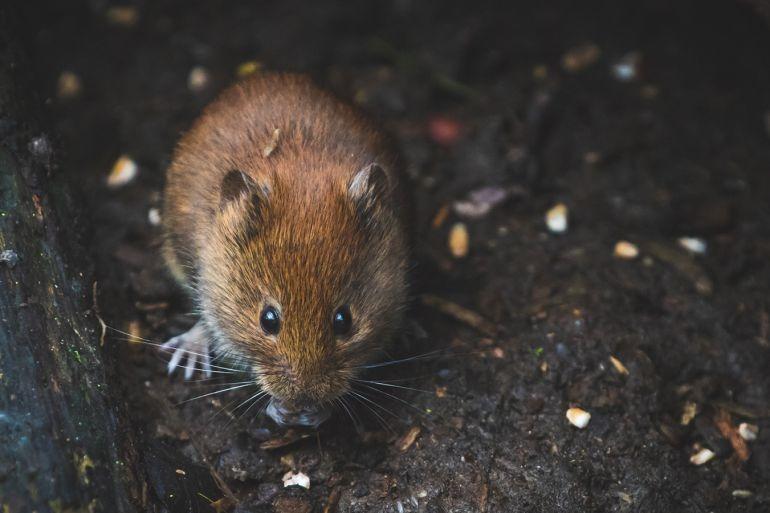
[580, 57]
[578, 417]
[458, 240]
[298, 479]
[748, 432]
[702, 456]
[123, 172]
[153, 216]
[9, 257]
[68, 85]
[626, 250]
[693, 245]
[198, 79]
[557, 218]
[627, 68]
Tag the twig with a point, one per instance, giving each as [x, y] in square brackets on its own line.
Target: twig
[459, 313]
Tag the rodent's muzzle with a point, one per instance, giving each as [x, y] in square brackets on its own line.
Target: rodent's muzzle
[307, 416]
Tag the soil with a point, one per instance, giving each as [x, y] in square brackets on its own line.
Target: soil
[477, 94]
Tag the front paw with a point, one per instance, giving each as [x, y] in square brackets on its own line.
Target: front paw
[193, 346]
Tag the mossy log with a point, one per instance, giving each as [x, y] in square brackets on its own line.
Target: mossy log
[63, 445]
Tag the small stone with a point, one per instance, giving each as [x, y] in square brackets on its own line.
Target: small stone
[296, 479]
[557, 218]
[748, 432]
[702, 456]
[68, 85]
[9, 257]
[693, 245]
[123, 172]
[459, 240]
[198, 79]
[625, 250]
[153, 216]
[578, 417]
[627, 68]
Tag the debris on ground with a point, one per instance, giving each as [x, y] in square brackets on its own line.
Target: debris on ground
[557, 218]
[578, 417]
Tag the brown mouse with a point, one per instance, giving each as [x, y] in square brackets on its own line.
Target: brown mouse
[283, 218]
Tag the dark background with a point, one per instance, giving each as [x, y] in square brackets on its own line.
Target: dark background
[680, 150]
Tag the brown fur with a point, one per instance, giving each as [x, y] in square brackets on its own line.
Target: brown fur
[299, 239]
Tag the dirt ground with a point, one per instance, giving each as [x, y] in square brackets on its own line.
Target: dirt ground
[521, 97]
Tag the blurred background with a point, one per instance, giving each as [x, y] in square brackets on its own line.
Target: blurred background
[591, 191]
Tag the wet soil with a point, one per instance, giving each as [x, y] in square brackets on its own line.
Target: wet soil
[476, 95]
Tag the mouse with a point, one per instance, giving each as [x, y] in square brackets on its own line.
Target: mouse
[284, 220]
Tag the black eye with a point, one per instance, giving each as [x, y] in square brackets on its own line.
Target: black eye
[270, 320]
[342, 320]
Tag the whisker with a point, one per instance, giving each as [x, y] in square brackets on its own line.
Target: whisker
[402, 360]
[396, 398]
[214, 393]
[382, 421]
[386, 384]
[361, 394]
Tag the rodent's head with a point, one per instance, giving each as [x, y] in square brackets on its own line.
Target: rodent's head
[303, 281]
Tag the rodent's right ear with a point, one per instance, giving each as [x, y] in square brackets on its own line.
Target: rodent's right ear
[237, 184]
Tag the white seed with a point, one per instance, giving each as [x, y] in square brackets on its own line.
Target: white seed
[748, 432]
[198, 79]
[742, 494]
[702, 456]
[458, 240]
[619, 366]
[298, 479]
[578, 417]
[153, 216]
[693, 244]
[557, 218]
[123, 172]
[626, 250]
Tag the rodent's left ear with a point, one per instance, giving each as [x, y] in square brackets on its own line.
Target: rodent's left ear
[237, 184]
[369, 186]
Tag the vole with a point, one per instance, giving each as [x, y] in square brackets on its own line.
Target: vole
[283, 219]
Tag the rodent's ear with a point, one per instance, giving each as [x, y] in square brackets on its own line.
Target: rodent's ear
[369, 186]
[237, 184]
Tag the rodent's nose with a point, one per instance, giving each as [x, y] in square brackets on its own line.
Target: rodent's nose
[312, 416]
